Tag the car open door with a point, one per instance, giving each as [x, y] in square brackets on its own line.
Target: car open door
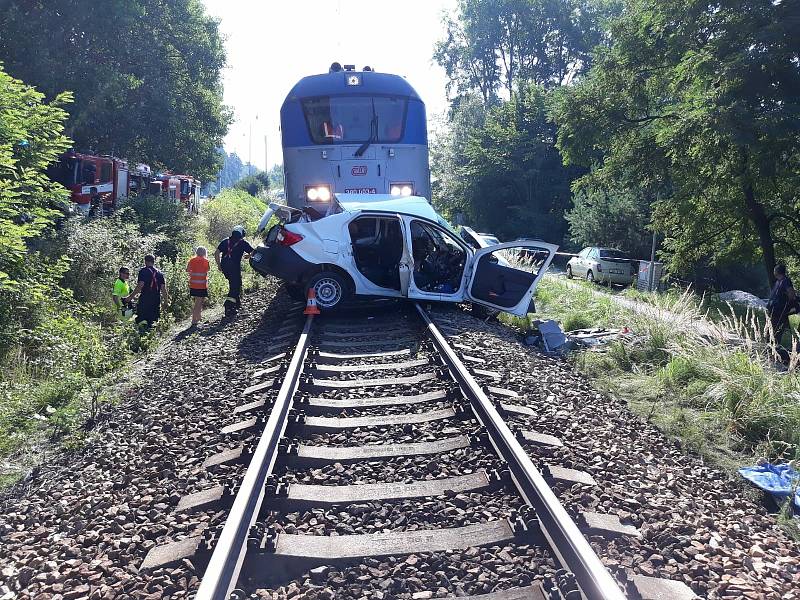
[505, 277]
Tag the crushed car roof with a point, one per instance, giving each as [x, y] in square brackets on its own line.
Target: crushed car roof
[409, 205]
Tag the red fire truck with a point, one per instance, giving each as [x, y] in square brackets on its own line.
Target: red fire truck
[102, 180]
[170, 185]
[180, 188]
[189, 192]
[140, 176]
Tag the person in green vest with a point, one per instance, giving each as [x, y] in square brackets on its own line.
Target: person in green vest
[121, 293]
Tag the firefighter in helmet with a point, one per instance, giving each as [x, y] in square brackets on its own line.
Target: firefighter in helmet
[229, 255]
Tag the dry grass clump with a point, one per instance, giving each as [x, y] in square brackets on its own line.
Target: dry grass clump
[719, 385]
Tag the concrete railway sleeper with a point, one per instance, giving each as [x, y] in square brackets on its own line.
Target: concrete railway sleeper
[448, 480]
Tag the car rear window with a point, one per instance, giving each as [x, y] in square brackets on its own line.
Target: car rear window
[612, 254]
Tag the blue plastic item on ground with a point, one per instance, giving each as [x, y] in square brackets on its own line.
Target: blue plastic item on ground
[779, 481]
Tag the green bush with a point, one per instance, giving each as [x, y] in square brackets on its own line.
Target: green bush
[167, 219]
[59, 334]
[255, 185]
[97, 248]
[229, 209]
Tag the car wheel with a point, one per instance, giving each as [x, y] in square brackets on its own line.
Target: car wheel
[331, 289]
[296, 292]
[589, 276]
[569, 272]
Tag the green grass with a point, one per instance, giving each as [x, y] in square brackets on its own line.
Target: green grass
[731, 404]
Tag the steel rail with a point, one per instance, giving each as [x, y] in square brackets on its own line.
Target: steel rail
[566, 540]
[226, 561]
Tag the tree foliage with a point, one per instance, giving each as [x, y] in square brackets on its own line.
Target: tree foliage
[145, 75]
[701, 100]
[255, 185]
[276, 177]
[491, 46]
[31, 137]
[495, 162]
[616, 218]
[511, 175]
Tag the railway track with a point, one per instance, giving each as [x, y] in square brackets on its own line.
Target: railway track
[448, 486]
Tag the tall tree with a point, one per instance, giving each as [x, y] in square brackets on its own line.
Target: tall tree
[511, 179]
[617, 218]
[490, 46]
[31, 137]
[703, 99]
[146, 74]
[232, 170]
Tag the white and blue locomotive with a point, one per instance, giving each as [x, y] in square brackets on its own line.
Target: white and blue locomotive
[358, 132]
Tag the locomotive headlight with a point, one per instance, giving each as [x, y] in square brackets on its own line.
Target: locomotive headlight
[318, 193]
[401, 189]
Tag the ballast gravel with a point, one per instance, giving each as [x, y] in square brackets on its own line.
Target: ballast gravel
[80, 526]
[401, 469]
[697, 524]
[451, 510]
[420, 576]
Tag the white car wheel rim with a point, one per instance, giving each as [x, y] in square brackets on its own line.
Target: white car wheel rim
[329, 292]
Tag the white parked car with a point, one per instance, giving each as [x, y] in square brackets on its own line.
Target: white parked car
[602, 265]
[478, 240]
[385, 246]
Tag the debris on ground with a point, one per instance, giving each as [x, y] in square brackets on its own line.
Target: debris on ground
[549, 336]
[741, 297]
[779, 481]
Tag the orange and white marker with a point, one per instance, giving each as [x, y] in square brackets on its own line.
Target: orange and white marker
[311, 303]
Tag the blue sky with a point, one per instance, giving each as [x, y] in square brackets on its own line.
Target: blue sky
[271, 44]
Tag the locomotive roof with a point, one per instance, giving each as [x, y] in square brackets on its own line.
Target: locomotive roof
[329, 84]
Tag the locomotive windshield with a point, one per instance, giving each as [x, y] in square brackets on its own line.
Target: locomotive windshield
[355, 119]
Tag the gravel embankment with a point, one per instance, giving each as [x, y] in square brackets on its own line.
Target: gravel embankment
[83, 524]
[696, 524]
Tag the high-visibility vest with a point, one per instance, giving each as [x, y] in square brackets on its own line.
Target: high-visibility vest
[198, 273]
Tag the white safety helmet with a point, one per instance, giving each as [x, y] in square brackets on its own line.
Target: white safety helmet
[239, 229]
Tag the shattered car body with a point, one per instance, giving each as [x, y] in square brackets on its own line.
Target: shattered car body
[390, 247]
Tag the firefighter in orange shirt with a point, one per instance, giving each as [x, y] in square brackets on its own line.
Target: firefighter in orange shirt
[198, 282]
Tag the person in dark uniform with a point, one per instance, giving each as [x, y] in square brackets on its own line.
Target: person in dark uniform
[229, 256]
[782, 302]
[152, 286]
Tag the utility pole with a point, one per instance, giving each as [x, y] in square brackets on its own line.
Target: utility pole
[652, 265]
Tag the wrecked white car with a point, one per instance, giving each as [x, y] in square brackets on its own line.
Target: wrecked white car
[385, 246]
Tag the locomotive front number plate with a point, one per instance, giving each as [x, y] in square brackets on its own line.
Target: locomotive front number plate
[364, 190]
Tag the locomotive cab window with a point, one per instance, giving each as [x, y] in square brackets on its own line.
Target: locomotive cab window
[355, 119]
